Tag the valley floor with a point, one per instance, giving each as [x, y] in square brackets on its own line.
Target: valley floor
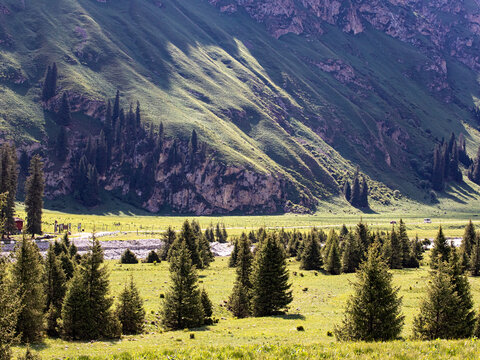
[318, 305]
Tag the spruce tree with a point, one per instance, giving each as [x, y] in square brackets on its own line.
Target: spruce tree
[64, 113]
[182, 307]
[10, 307]
[207, 307]
[347, 191]
[332, 261]
[8, 186]
[168, 239]
[440, 250]
[271, 292]
[364, 194]
[311, 257]
[239, 301]
[130, 311]
[438, 172]
[87, 309]
[55, 287]
[440, 315]
[194, 142]
[474, 261]
[128, 257]
[232, 262]
[392, 250]
[61, 145]
[468, 242]
[352, 254]
[206, 254]
[187, 236]
[27, 276]
[34, 187]
[356, 197]
[373, 312]
[404, 242]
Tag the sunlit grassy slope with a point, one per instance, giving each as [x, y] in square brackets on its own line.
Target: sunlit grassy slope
[258, 101]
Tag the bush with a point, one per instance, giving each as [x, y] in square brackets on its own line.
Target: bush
[300, 328]
[152, 257]
[128, 257]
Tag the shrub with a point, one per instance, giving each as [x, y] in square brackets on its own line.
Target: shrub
[152, 257]
[128, 257]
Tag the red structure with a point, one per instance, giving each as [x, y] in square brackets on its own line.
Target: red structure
[19, 224]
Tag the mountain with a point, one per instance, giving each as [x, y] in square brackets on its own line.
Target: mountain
[289, 97]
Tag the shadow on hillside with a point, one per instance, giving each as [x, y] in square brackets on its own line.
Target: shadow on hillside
[291, 317]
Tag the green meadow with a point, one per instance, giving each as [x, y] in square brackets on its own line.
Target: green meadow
[318, 305]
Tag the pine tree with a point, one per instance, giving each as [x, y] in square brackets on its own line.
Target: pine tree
[128, 257]
[352, 254]
[404, 243]
[8, 186]
[440, 315]
[61, 145]
[239, 301]
[55, 287]
[152, 257]
[207, 307]
[270, 288]
[438, 172]
[356, 197]
[50, 83]
[182, 307]
[27, 275]
[468, 242]
[206, 254]
[34, 187]
[440, 250]
[86, 311]
[332, 261]
[168, 239]
[130, 311]
[416, 251]
[364, 194]
[188, 237]
[474, 170]
[474, 263]
[232, 262]
[64, 113]
[396, 252]
[311, 257]
[10, 307]
[347, 191]
[373, 312]
[194, 142]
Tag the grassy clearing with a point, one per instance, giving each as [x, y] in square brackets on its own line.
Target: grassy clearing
[318, 305]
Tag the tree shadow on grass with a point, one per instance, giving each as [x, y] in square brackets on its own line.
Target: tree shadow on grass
[291, 317]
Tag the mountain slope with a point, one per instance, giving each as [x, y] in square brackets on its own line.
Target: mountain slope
[307, 108]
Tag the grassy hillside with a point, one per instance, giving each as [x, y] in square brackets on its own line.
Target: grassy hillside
[259, 102]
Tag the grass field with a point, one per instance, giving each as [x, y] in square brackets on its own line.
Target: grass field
[317, 306]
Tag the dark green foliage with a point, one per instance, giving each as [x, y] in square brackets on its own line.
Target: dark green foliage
[352, 254]
[206, 254]
[347, 191]
[311, 258]
[404, 243]
[221, 233]
[393, 251]
[440, 250]
[182, 307]
[10, 307]
[153, 257]
[168, 239]
[239, 301]
[64, 115]
[61, 145]
[442, 315]
[356, 197]
[128, 257]
[468, 242]
[29, 355]
[27, 276]
[438, 177]
[116, 109]
[189, 237]
[50, 83]
[271, 292]
[67, 265]
[86, 188]
[232, 262]
[55, 287]
[34, 187]
[474, 170]
[194, 142]
[416, 253]
[8, 186]
[130, 311]
[474, 261]
[207, 306]
[373, 312]
[86, 311]
[364, 194]
[332, 259]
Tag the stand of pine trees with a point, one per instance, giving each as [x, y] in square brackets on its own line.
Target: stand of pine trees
[446, 162]
[357, 194]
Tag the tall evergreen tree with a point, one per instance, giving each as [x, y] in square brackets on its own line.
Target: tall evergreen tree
[55, 287]
[232, 262]
[474, 170]
[474, 263]
[50, 83]
[168, 239]
[333, 263]
[373, 312]
[404, 243]
[311, 257]
[352, 254]
[188, 236]
[364, 194]
[10, 307]
[27, 275]
[440, 250]
[206, 254]
[194, 142]
[239, 301]
[440, 315]
[438, 172]
[130, 310]
[270, 287]
[8, 186]
[64, 113]
[347, 191]
[182, 307]
[61, 145]
[87, 309]
[356, 197]
[34, 187]
[468, 242]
